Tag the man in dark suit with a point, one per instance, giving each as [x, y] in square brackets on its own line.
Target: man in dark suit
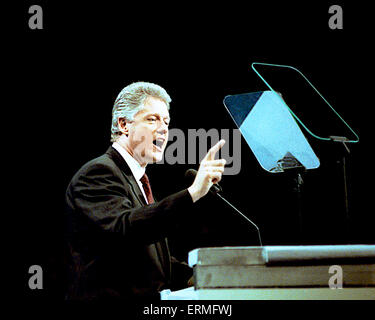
[116, 231]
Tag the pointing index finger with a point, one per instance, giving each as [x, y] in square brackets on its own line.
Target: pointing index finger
[212, 152]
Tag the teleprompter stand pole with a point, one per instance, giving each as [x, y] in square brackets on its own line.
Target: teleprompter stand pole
[343, 162]
[294, 169]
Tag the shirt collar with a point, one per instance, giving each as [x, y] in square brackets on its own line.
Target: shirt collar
[137, 170]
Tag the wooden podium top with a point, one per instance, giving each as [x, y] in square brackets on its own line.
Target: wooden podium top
[283, 267]
[283, 255]
[283, 273]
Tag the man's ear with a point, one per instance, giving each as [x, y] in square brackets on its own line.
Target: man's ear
[123, 126]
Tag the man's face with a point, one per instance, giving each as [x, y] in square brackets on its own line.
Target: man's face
[148, 132]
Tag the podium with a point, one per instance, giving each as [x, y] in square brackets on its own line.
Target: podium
[284, 273]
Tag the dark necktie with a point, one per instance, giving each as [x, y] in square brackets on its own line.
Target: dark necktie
[147, 188]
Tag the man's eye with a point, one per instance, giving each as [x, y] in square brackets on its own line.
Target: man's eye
[151, 119]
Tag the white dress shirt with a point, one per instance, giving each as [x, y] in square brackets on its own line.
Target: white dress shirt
[137, 170]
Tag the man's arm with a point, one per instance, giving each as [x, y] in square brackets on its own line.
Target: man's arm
[101, 196]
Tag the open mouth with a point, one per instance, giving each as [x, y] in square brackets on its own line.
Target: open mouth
[158, 143]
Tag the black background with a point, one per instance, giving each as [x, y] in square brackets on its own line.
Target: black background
[63, 80]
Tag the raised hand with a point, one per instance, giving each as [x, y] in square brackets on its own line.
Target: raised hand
[209, 172]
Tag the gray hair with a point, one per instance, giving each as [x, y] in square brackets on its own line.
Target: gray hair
[131, 100]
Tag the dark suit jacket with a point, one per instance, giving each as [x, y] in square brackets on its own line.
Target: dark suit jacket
[117, 243]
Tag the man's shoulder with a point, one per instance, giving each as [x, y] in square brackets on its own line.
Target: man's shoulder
[103, 161]
[104, 164]
[102, 170]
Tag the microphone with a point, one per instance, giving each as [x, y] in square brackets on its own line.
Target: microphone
[216, 189]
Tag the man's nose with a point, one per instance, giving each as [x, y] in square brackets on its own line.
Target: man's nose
[163, 128]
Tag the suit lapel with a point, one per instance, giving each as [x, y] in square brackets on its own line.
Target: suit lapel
[121, 163]
[161, 246]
